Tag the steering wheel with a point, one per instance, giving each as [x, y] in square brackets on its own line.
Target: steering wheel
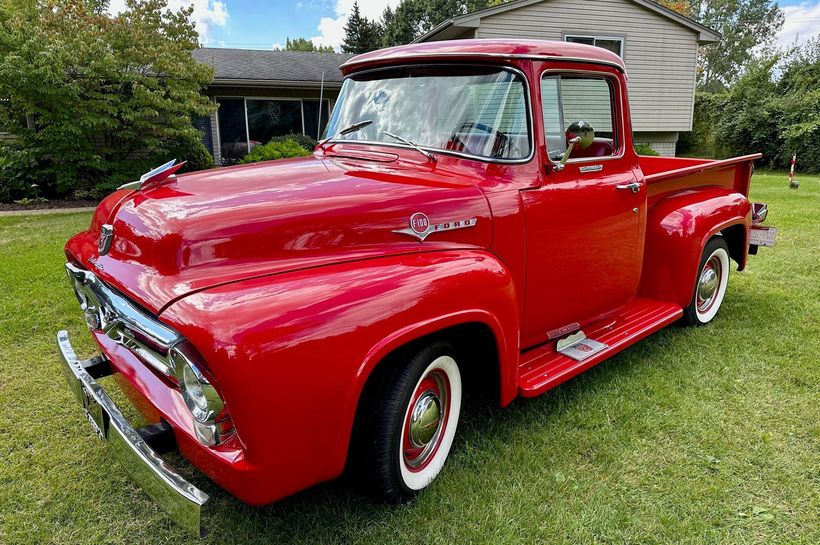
[502, 139]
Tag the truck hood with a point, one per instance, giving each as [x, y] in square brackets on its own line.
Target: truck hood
[204, 229]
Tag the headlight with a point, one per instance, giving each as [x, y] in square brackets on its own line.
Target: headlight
[200, 397]
[192, 389]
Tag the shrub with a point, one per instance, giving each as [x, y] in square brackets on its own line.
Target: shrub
[645, 149]
[188, 149]
[302, 139]
[16, 176]
[275, 150]
[774, 109]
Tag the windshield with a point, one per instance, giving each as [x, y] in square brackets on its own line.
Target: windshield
[472, 110]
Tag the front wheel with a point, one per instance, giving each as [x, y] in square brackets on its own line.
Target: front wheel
[414, 424]
[710, 284]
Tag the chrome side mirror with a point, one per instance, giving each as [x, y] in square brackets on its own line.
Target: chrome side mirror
[579, 133]
[582, 130]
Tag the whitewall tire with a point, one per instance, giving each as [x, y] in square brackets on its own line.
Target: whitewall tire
[430, 423]
[413, 423]
[710, 284]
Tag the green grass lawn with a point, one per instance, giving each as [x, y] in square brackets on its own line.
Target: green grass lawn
[706, 435]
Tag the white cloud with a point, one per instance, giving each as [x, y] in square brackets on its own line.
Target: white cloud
[802, 22]
[207, 14]
[332, 29]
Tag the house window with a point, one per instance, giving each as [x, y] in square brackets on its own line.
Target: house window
[610, 43]
[269, 118]
[247, 122]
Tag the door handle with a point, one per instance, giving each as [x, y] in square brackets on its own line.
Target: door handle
[634, 186]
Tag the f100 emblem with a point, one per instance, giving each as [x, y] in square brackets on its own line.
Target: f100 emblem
[420, 226]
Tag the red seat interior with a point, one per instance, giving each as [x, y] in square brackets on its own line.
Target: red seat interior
[600, 147]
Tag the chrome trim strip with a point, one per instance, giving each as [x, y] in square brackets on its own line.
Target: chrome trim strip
[180, 499]
[159, 362]
[500, 56]
[440, 151]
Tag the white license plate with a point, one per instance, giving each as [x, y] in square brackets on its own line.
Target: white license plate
[762, 236]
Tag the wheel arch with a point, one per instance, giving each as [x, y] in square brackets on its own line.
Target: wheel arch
[678, 228]
[736, 236]
[311, 338]
[475, 337]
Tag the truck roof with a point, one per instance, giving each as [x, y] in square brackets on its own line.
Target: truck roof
[497, 49]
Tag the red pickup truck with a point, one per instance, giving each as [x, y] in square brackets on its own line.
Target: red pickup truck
[477, 218]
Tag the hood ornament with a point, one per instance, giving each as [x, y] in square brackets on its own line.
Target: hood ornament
[154, 177]
[420, 226]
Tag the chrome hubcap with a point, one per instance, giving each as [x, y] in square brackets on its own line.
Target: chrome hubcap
[425, 419]
[708, 284]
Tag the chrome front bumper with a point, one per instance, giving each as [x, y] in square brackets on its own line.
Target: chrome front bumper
[180, 499]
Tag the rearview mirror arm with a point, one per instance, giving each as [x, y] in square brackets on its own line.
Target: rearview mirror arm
[559, 166]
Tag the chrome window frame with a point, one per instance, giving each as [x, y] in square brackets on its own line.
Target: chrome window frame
[615, 85]
[438, 151]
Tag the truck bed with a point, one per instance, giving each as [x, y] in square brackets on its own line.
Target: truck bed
[666, 175]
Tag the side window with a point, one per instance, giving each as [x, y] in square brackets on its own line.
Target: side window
[575, 105]
[553, 122]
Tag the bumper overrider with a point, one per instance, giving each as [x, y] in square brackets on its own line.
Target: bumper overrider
[165, 353]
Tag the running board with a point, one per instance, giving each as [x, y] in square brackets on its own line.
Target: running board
[544, 367]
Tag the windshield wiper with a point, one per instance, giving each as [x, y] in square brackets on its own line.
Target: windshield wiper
[416, 147]
[353, 127]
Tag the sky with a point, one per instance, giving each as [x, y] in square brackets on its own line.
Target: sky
[255, 24]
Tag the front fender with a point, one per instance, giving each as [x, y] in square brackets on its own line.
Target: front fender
[677, 229]
[291, 353]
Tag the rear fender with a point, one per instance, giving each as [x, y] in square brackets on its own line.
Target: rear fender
[678, 228]
[291, 353]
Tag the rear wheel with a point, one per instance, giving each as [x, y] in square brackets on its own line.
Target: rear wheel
[414, 424]
[710, 284]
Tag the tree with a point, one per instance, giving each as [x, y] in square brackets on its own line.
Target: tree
[303, 44]
[413, 18]
[90, 97]
[746, 26]
[403, 25]
[684, 7]
[361, 34]
[773, 108]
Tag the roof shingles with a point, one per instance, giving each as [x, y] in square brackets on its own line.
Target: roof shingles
[271, 66]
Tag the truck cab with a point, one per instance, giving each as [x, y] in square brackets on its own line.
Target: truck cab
[476, 210]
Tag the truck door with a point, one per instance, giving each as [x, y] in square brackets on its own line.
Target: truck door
[584, 222]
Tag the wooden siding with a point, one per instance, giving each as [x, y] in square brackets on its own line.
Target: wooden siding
[660, 54]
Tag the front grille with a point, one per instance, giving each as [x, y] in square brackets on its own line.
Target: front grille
[109, 311]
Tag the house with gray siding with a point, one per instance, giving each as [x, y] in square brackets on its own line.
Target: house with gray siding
[266, 93]
[659, 47]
